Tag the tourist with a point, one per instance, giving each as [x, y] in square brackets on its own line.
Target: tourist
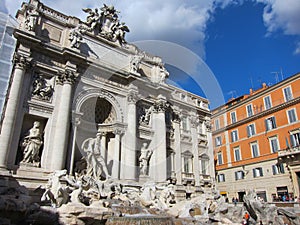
[247, 217]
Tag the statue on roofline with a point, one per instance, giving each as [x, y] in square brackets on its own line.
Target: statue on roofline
[106, 23]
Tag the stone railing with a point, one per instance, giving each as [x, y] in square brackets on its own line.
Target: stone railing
[289, 151]
[188, 178]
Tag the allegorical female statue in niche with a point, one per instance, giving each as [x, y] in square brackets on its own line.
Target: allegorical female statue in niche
[32, 143]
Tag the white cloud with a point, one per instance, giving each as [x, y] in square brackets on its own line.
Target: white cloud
[179, 21]
[282, 16]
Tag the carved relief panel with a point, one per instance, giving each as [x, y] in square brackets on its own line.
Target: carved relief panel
[42, 87]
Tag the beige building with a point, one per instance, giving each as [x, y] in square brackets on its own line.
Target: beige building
[83, 99]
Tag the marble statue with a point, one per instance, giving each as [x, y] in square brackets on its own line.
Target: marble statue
[106, 24]
[75, 36]
[95, 162]
[144, 159]
[93, 19]
[32, 143]
[31, 19]
[163, 74]
[119, 31]
[135, 63]
[55, 191]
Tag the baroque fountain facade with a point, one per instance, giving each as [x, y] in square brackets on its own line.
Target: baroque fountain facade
[90, 116]
[92, 133]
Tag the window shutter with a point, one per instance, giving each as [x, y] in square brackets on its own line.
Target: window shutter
[281, 168]
[287, 142]
[236, 176]
[248, 131]
[274, 169]
[261, 171]
[274, 122]
[293, 141]
[254, 173]
[266, 124]
[232, 136]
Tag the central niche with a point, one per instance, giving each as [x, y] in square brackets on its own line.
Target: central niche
[98, 110]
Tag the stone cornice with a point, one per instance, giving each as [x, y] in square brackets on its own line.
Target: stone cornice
[257, 95]
[259, 115]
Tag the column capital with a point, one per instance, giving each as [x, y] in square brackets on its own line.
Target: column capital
[21, 61]
[194, 121]
[161, 105]
[118, 131]
[132, 97]
[67, 76]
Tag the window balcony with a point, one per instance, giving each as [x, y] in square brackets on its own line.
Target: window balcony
[188, 178]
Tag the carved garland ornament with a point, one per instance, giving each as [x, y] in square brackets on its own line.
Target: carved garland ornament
[66, 76]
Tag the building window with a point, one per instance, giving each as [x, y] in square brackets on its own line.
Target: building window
[204, 164]
[254, 149]
[267, 102]
[278, 169]
[187, 164]
[220, 158]
[237, 154]
[295, 139]
[257, 172]
[218, 141]
[251, 130]
[270, 123]
[184, 123]
[292, 115]
[239, 175]
[234, 136]
[221, 177]
[233, 117]
[249, 110]
[274, 145]
[217, 124]
[288, 94]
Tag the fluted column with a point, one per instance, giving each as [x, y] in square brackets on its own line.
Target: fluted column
[66, 79]
[116, 159]
[11, 111]
[129, 152]
[194, 123]
[158, 162]
[177, 161]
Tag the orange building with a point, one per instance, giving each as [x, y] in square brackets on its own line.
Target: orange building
[250, 134]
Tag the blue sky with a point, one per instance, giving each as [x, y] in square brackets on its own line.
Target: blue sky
[239, 43]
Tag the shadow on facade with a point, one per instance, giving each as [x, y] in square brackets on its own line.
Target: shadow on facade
[17, 206]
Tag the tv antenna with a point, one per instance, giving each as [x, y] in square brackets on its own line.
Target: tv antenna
[276, 76]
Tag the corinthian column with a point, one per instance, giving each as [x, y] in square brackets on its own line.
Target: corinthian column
[177, 147]
[128, 159]
[158, 162]
[67, 78]
[11, 111]
[194, 123]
